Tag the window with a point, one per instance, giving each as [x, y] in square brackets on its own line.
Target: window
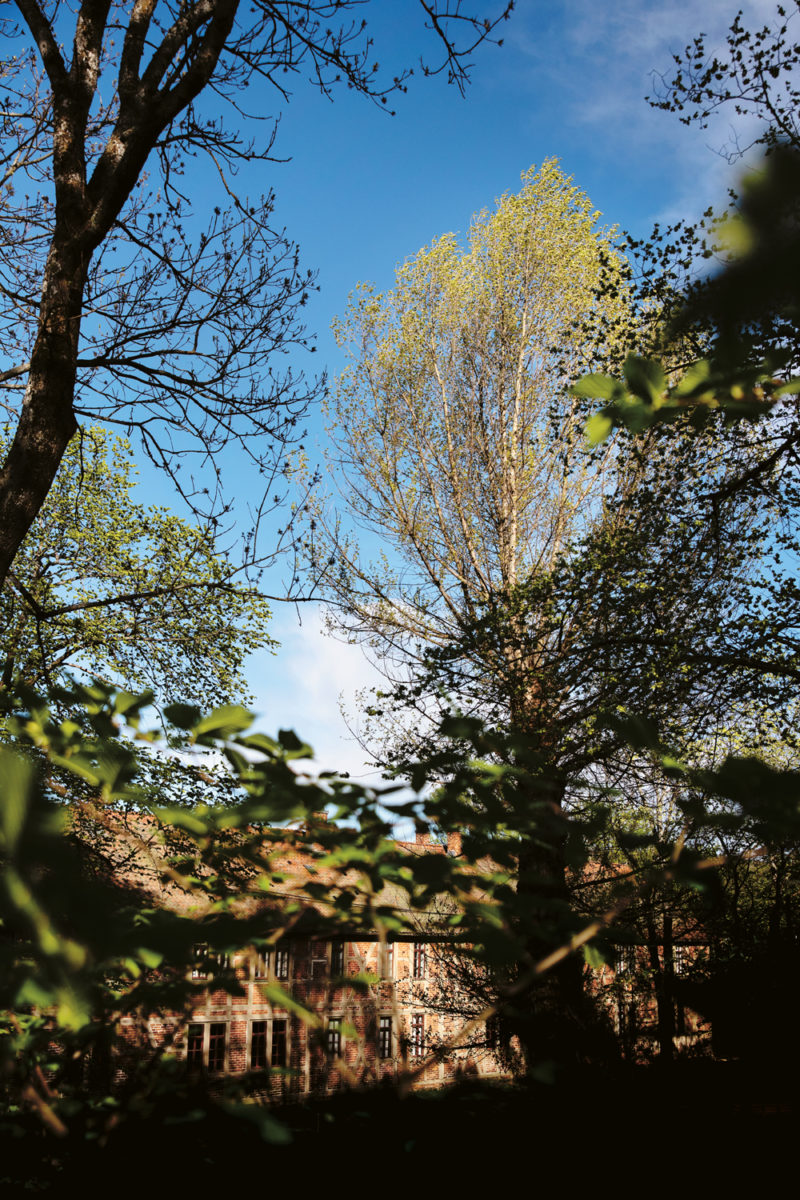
[493, 1032]
[205, 1046]
[279, 1032]
[417, 1046]
[261, 964]
[385, 1037]
[420, 960]
[205, 961]
[319, 960]
[216, 1046]
[334, 1036]
[386, 960]
[200, 961]
[337, 958]
[262, 1051]
[281, 962]
[195, 1038]
[258, 1046]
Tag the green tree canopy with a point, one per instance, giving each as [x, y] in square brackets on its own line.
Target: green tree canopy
[517, 563]
[107, 586]
[452, 438]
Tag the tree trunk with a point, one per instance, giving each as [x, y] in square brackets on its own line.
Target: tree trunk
[664, 976]
[47, 421]
[554, 1018]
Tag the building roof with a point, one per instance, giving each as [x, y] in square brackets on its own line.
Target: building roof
[253, 870]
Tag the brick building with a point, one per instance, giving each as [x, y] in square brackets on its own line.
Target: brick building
[360, 1035]
[308, 1012]
[305, 1013]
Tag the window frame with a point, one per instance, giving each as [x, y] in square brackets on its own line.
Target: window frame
[416, 1042]
[625, 960]
[200, 961]
[319, 959]
[206, 963]
[385, 1037]
[386, 960]
[263, 1041]
[333, 1037]
[281, 1041]
[283, 961]
[202, 1061]
[194, 1050]
[271, 1035]
[338, 957]
[262, 963]
[215, 1040]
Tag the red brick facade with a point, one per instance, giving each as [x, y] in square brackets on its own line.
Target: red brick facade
[388, 1022]
[361, 1034]
[378, 1026]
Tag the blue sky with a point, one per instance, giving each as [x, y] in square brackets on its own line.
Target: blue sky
[362, 191]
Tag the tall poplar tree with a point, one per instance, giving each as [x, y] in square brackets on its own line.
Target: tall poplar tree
[526, 578]
[509, 542]
[452, 435]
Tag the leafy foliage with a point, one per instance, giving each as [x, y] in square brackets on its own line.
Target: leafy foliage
[85, 947]
[531, 584]
[754, 75]
[741, 319]
[750, 311]
[105, 586]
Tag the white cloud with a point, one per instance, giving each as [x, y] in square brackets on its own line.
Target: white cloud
[304, 686]
[601, 61]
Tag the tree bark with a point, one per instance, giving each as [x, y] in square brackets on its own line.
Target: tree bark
[664, 980]
[47, 421]
[555, 1020]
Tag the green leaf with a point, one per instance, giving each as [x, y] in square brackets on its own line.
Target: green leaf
[789, 389]
[593, 957]
[182, 716]
[72, 1009]
[260, 741]
[129, 704]
[150, 958]
[645, 378]
[16, 783]
[282, 999]
[598, 428]
[289, 740]
[223, 722]
[596, 387]
[465, 728]
[182, 818]
[694, 378]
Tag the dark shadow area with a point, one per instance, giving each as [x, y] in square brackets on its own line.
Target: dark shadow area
[696, 1121]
